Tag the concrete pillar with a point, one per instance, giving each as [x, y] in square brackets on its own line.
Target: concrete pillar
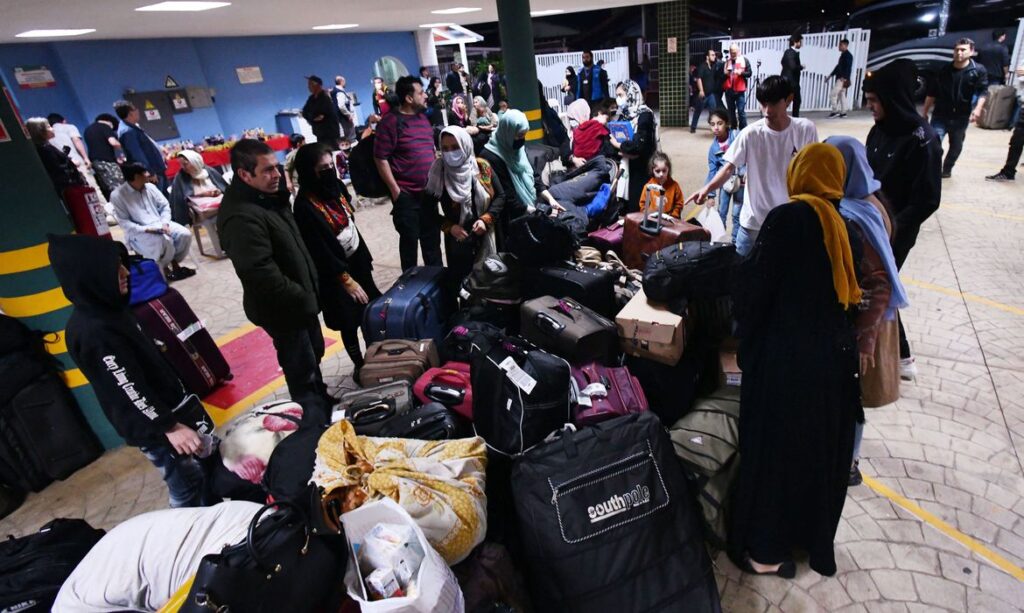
[425, 48]
[516, 30]
[28, 288]
[674, 62]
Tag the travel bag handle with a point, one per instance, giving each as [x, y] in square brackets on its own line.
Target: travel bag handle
[251, 546]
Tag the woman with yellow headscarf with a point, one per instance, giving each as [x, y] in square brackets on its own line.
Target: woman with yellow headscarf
[796, 298]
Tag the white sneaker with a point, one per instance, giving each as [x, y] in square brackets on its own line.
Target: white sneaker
[908, 370]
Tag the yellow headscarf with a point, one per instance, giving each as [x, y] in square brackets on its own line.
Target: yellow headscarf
[816, 175]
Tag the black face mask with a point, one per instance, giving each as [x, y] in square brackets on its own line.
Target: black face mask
[519, 143]
[327, 184]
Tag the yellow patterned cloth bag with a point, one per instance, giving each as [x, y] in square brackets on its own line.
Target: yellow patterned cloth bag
[439, 483]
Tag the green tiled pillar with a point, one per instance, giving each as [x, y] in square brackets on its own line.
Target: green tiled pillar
[674, 62]
[516, 30]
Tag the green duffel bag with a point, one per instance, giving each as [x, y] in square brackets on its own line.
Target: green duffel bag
[706, 440]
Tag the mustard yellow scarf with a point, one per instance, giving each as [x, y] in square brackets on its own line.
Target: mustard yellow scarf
[816, 175]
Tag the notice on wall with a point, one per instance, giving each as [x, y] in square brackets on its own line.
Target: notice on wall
[179, 101]
[249, 74]
[151, 112]
[34, 77]
[673, 45]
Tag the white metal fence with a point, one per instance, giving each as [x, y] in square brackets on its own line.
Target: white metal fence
[820, 53]
[551, 70]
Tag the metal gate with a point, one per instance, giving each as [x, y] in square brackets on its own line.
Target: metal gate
[820, 53]
[551, 70]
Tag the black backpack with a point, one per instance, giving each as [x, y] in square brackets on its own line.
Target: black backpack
[23, 357]
[362, 166]
[691, 270]
[34, 567]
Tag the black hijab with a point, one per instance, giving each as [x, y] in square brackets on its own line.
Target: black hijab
[894, 84]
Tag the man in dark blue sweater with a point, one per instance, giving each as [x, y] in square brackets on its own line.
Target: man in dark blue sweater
[842, 72]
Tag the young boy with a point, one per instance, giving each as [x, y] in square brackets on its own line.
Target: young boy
[723, 139]
[136, 387]
[765, 147]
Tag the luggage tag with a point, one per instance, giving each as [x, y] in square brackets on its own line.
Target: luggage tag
[517, 375]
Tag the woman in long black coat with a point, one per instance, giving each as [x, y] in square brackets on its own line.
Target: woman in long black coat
[344, 265]
[795, 300]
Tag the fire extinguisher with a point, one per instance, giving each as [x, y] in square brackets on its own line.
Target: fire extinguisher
[87, 211]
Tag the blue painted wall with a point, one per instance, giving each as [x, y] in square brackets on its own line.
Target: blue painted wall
[91, 75]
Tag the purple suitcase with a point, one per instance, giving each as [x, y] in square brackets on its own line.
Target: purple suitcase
[608, 238]
[604, 393]
[184, 341]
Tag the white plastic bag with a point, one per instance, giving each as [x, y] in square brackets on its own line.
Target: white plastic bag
[436, 589]
[710, 221]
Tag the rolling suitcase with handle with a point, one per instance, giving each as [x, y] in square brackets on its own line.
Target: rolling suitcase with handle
[603, 393]
[566, 328]
[591, 287]
[184, 341]
[998, 109]
[646, 233]
[417, 306]
[397, 360]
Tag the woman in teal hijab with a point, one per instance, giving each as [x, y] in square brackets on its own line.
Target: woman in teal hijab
[508, 145]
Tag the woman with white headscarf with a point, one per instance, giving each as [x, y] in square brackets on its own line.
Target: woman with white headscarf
[471, 200]
[195, 180]
[639, 149]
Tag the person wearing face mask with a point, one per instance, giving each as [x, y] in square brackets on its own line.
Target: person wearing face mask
[195, 180]
[471, 200]
[344, 265]
[512, 170]
[639, 149]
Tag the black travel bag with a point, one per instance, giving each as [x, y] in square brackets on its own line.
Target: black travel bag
[33, 568]
[691, 269]
[592, 287]
[496, 278]
[608, 524]
[568, 329]
[469, 338]
[539, 240]
[520, 395]
[429, 422]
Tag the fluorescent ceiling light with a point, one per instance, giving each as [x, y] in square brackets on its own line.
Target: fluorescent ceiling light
[458, 10]
[182, 6]
[337, 26]
[435, 25]
[927, 18]
[52, 33]
[546, 12]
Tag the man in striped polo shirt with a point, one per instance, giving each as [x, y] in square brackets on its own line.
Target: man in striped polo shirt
[404, 151]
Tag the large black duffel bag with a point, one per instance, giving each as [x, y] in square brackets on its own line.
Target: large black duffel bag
[691, 269]
[607, 523]
[537, 239]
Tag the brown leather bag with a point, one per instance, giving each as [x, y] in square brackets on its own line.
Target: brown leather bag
[397, 360]
[647, 233]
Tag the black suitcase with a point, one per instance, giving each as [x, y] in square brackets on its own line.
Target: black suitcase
[43, 436]
[608, 524]
[592, 287]
[34, 567]
[429, 422]
[566, 328]
[692, 270]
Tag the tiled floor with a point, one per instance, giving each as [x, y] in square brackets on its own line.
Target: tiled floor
[950, 448]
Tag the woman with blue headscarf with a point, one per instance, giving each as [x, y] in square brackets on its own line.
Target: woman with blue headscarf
[506, 154]
[877, 332]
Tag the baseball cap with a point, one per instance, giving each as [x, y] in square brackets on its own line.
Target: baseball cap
[315, 79]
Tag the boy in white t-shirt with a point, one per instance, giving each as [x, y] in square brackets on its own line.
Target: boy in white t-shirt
[765, 147]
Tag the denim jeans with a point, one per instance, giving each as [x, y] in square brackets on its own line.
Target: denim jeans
[736, 102]
[724, 200]
[417, 222]
[745, 240]
[710, 102]
[956, 128]
[858, 436]
[184, 476]
[299, 352]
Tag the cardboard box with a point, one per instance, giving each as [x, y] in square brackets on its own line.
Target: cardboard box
[729, 373]
[649, 330]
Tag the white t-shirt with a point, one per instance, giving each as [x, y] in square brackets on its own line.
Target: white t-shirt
[766, 154]
[63, 133]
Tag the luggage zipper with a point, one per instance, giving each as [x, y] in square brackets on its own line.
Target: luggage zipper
[560, 488]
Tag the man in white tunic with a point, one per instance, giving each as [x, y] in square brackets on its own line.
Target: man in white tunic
[145, 215]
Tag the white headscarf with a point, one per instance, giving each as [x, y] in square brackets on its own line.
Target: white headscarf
[195, 161]
[579, 111]
[462, 182]
[634, 102]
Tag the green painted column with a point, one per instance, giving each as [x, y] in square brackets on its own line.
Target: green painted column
[516, 30]
[29, 291]
[674, 62]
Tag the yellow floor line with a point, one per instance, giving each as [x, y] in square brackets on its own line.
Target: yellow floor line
[997, 560]
[974, 211]
[968, 297]
[222, 416]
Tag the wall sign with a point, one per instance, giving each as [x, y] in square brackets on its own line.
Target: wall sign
[672, 44]
[170, 83]
[249, 74]
[179, 101]
[152, 113]
[34, 77]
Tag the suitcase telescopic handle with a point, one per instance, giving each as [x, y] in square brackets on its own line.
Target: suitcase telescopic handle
[548, 323]
[654, 191]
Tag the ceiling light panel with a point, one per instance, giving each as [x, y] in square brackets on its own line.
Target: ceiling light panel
[54, 33]
[546, 12]
[458, 10]
[337, 26]
[182, 6]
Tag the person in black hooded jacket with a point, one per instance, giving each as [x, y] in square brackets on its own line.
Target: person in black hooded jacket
[343, 262]
[136, 387]
[906, 157]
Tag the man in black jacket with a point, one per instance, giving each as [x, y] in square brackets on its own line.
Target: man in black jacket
[453, 81]
[906, 157]
[279, 289]
[136, 387]
[791, 68]
[952, 92]
[710, 75]
[842, 73]
[321, 113]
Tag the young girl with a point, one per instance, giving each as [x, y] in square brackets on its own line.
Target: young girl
[661, 174]
[723, 138]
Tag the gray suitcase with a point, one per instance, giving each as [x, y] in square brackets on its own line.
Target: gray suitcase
[998, 109]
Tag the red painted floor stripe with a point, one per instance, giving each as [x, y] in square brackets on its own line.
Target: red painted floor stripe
[253, 362]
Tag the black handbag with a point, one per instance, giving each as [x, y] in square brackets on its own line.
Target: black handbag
[286, 563]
